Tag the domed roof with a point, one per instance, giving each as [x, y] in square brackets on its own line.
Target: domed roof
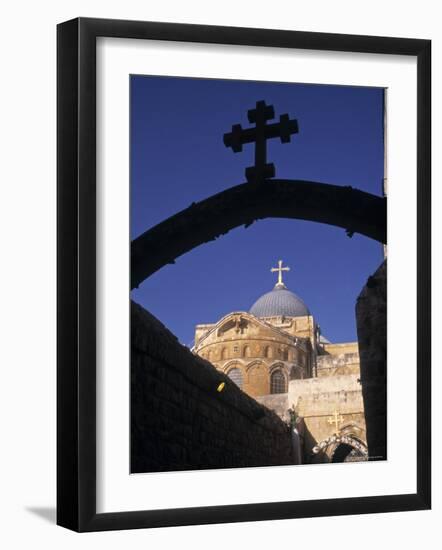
[279, 301]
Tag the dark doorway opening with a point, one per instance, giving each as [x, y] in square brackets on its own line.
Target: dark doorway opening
[346, 453]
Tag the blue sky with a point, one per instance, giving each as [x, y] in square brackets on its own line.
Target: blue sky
[178, 157]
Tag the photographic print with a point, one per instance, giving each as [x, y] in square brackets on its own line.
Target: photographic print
[222, 274]
[258, 274]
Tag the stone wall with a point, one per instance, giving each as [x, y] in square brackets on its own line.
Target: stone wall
[317, 399]
[332, 365]
[179, 421]
[339, 349]
[278, 403]
[371, 316]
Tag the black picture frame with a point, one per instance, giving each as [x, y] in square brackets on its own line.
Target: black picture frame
[76, 273]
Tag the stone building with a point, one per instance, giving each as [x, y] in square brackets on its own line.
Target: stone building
[276, 354]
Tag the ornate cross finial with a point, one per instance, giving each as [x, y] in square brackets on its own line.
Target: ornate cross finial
[336, 419]
[280, 269]
[259, 135]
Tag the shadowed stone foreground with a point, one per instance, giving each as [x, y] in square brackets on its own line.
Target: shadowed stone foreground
[180, 421]
[371, 314]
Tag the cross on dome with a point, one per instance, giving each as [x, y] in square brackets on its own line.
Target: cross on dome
[279, 269]
[280, 301]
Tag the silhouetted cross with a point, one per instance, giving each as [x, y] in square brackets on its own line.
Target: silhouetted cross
[259, 135]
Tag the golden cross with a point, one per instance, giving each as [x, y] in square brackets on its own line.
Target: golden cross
[280, 269]
[336, 419]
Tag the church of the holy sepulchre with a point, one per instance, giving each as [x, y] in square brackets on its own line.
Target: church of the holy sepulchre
[276, 354]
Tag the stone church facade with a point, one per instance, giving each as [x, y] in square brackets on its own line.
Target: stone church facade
[276, 354]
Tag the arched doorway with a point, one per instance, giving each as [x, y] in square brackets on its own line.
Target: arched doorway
[347, 453]
[340, 448]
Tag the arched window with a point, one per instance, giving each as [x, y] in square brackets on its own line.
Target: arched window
[277, 382]
[268, 352]
[247, 352]
[235, 375]
[224, 354]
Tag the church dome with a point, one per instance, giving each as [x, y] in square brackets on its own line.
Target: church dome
[279, 301]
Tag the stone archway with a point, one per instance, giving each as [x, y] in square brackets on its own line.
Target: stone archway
[342, 448]
[353, 210]
[350, 451]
